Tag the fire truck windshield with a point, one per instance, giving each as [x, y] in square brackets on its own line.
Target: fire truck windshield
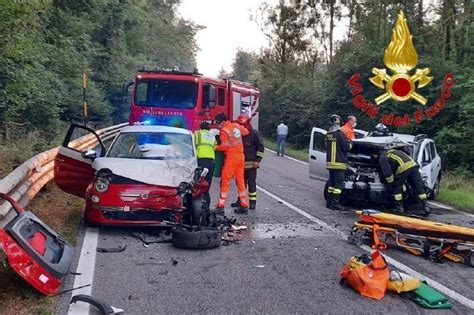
[166, 93]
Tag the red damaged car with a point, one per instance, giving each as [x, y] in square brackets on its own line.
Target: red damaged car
[148, 176]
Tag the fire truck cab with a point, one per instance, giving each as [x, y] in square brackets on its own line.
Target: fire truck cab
[185, 99]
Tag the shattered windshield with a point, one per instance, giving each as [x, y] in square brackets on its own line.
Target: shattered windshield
[166, 93]
[152, 145]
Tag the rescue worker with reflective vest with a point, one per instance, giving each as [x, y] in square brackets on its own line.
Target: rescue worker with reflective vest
[397, 168]
[205, 143]
[253, 150]
[337, 147]
[230, 136]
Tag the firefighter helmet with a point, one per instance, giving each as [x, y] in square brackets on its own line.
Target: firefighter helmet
[335, 119]
[243, 120]
[381, 131]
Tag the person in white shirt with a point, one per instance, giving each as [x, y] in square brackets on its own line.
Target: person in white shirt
[282, 132]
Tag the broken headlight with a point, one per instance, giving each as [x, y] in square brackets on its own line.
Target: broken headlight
[101, 184]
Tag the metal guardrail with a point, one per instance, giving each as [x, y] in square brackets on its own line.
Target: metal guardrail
[24, 182]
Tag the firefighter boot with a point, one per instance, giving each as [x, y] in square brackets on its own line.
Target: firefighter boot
[425, 208]
[398, 207]
[236, 204]
[241, 210]
[336, 204]
[329, 201]
[253, 204]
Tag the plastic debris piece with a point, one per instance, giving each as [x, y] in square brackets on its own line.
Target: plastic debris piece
[117, 249]
[104, 307]
[238, 227]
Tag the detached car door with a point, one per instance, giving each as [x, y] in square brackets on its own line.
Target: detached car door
[72, 170]
[34, 251]
[317, 155]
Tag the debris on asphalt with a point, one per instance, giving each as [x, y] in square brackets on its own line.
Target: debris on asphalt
[117, 249]
[238, 227]
[73, 289]
[104, 307]
[260, 266]
[174, 261]
[149, 237]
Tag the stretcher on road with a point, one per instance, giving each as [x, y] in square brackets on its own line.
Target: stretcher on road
[433, 240]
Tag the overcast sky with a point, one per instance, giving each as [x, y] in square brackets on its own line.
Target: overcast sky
[228, 27]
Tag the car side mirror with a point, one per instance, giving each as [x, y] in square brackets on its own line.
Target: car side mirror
[89, 154]
[209, 97]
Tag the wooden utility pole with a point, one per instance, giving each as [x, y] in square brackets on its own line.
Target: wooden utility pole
[84, 96]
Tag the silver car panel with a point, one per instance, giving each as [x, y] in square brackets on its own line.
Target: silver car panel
[317, 155]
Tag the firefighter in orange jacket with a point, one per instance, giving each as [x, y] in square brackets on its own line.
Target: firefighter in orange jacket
[230, 136]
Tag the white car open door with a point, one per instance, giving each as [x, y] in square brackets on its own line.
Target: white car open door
[317, 155]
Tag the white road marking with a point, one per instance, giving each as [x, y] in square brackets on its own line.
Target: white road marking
[86, 268]
[443, 206]
[443, 289]
[288, 157]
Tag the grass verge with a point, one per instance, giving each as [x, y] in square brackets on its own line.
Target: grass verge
[62, 212]
[456, 190]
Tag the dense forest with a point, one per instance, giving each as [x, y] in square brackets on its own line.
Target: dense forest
[302, 71]
[303, 74]
[47, 45]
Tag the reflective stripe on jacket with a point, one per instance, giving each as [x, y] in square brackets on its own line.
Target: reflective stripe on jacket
[393, 162]
[337, 146]
[205, 143]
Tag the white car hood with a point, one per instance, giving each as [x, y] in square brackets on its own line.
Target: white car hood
[168, 173]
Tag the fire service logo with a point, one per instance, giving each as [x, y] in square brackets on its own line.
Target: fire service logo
[400, 57]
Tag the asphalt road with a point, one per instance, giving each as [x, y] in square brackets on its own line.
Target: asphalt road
[288, 261]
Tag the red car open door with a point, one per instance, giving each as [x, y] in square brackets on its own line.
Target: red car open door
[72, 166]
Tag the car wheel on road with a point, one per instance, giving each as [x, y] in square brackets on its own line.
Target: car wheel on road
[435, 192]
[198, 212]
[202, 238]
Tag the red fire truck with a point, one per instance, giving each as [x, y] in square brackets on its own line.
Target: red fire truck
[185, 99]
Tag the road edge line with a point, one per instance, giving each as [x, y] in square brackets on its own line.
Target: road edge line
[85, 269]
[288, 157]
[399, 265]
